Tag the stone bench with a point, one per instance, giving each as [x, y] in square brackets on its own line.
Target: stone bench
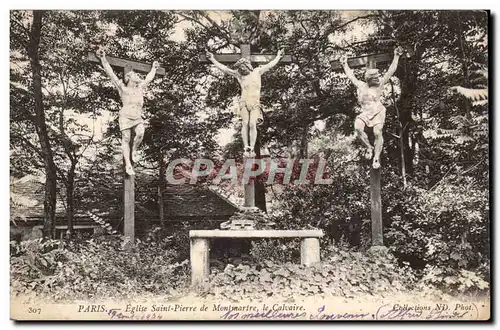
[200, 246]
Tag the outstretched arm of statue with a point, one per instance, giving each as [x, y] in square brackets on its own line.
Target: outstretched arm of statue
[108, 69]
[151, 75]
[266, 67]
[394, 66]
[221, 66]
[348, 71]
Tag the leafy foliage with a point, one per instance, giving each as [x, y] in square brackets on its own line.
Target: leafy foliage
[95, 269]
[276, 251]
[442, 227]
[464, 281]
[340, 274]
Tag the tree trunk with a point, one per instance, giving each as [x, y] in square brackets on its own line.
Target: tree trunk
[463, 62]
[401, 143]
[70, 201]
[304, 141]
[161, 188]
[408, 78]
[403, 164]
[49, 204]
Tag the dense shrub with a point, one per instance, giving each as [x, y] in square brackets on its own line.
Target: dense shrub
[443, 226]
[98, 270]
[339, 209]
[278, 251]
[454, 281]
[90, 269]
[443, 232]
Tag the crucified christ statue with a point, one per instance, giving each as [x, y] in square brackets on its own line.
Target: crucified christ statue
[372, 109]
[131, 91]
[249, 104]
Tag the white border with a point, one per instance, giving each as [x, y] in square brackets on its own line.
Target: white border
[191, 4]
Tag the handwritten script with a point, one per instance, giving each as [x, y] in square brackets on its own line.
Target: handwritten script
[319, 314]
[117, 315]
[427, 312]
[395, 312]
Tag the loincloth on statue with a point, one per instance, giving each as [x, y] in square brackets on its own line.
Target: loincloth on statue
[250, 108]
[373, 115]
[130, 117]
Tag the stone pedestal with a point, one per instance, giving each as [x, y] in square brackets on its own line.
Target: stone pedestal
[309, 251]
[200, 251]
[200, 246]
[378, 250]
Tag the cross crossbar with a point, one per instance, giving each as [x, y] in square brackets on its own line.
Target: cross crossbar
[127, 65]
[359, 61]
[255, 58]
[246, 53]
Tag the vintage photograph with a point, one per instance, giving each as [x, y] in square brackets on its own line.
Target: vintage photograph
[282, 165]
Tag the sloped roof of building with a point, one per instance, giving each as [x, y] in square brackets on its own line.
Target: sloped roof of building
[195, 201]
[27, 196]
[179, 201]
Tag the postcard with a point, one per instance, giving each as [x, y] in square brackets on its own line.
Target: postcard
[237, 165]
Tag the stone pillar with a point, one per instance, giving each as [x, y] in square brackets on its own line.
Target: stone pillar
[309, 251]
[200, 248]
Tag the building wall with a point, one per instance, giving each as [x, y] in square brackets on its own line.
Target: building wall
[24, 233]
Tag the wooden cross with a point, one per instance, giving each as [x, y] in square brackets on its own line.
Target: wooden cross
[246, 53]
[371, 61]
[258, 59]
[128, 181]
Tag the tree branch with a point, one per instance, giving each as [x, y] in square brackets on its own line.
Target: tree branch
[27, 33]
[37, 151]
[472, 167]
[442, 179]
[354, 20]
[393, 135]
[225, 34]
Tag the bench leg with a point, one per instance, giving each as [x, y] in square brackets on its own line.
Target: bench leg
[309, 251]
[200, 248]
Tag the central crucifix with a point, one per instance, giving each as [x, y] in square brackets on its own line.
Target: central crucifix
[249, 107]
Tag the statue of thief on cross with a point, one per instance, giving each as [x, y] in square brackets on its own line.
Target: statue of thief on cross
[131, 91]
[372, 109]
